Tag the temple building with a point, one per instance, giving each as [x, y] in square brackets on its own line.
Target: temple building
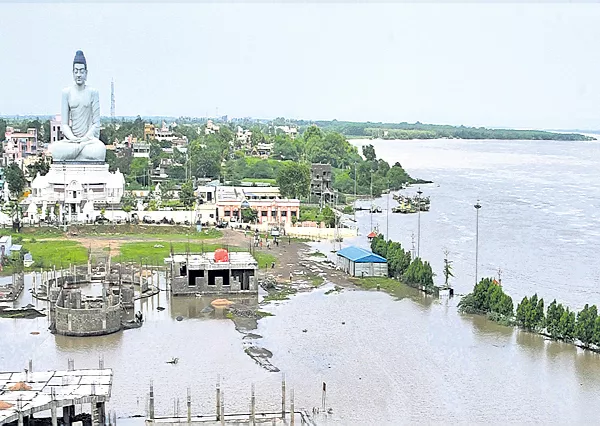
[76, 188]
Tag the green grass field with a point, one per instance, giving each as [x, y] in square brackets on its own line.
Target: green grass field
[56, 252]
[260, 180]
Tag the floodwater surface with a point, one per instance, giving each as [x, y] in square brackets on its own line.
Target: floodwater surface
[390, 359]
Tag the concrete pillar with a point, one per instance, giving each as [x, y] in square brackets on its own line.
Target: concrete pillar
[283, 397]
[218, 401]
[101, 413]
[68, 412]
[94, 412]
[189, 408]
[53, 412]
[151, 403]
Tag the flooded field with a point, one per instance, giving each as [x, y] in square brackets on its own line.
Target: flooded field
[386, 359]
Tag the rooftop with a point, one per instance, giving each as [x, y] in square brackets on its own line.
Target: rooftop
[196, 260]
[70, 387]
[359, 255]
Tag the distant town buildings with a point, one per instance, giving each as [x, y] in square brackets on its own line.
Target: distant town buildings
[290, 131]
[19, 145]
[211, 128]
[140, 149]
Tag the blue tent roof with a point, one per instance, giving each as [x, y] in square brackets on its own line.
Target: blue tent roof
[359, 255]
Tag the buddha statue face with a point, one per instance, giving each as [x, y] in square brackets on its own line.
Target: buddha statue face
[79, 74]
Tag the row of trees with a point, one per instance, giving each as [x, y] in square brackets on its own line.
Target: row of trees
[557, 321]
[427, 131]
[413, 272]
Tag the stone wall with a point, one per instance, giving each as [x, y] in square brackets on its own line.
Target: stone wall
[87, 322]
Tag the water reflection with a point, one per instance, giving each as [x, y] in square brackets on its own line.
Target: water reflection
[200, 307]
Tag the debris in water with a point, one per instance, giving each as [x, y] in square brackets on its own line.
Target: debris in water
[343, 322]
[173, 361]
[160, 308]
[305, 330]
[35, 333]
[179, 318]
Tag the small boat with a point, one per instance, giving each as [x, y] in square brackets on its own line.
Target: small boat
[173, 361]
[375, 209]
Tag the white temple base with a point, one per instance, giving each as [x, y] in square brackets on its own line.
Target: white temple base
[75, 187]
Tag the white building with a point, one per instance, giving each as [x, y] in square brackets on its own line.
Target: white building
[141, 149]
[76, 188]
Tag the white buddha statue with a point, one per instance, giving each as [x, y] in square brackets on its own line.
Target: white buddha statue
[80, 120]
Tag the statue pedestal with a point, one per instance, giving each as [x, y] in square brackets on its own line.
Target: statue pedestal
[76, 187]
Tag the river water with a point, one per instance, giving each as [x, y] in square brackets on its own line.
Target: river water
[391, 359]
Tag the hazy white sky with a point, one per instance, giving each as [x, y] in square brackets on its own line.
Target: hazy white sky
[527, 66]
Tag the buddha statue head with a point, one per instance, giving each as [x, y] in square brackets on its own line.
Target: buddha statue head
[79, 68]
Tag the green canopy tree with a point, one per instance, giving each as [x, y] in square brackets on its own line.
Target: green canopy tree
[186, 194]
[293, 180]
[586, 322]
[16, 179]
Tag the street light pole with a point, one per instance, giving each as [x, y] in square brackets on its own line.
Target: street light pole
[419, 192]
[355, 180]
[477, 207]
[387, 214]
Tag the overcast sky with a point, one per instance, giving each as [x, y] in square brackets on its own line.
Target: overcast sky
[524, 66]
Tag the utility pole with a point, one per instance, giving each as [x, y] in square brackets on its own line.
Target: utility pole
[355, 181]
[419, 192]
[477, 207]
[387, 214]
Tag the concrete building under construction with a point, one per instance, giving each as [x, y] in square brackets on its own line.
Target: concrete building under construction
[216, 272]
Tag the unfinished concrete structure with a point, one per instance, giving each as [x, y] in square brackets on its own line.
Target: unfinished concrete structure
[84, 303]
[206, 273]
[92, 316]
[24, 394]
[287, 416]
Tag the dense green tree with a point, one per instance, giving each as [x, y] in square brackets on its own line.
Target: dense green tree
[284, 148]
[586, 322]
[487, 297]
[553, 315]
[15, 178]
[530, 313]
[41, 166]
[177, 172]
[249, 215]
[186, 194]
[368, 152]
[205, 161]
[566, 325]
[156, 153]
[293, 180]
[139, 171]
[328, 217]
[2, 129]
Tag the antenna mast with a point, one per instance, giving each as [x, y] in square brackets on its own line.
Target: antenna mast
[112, 99]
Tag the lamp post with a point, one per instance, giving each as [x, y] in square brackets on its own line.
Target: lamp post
[477, 207]
[387, 214]
[355, 180]
[419, 192]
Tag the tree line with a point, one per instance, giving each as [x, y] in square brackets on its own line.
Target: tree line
[401, 266]
[419, 130]
[557, 321]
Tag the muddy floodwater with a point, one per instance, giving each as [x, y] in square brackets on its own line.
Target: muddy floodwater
[389, 359]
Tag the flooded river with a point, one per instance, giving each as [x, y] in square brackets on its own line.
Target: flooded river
[391, 359]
